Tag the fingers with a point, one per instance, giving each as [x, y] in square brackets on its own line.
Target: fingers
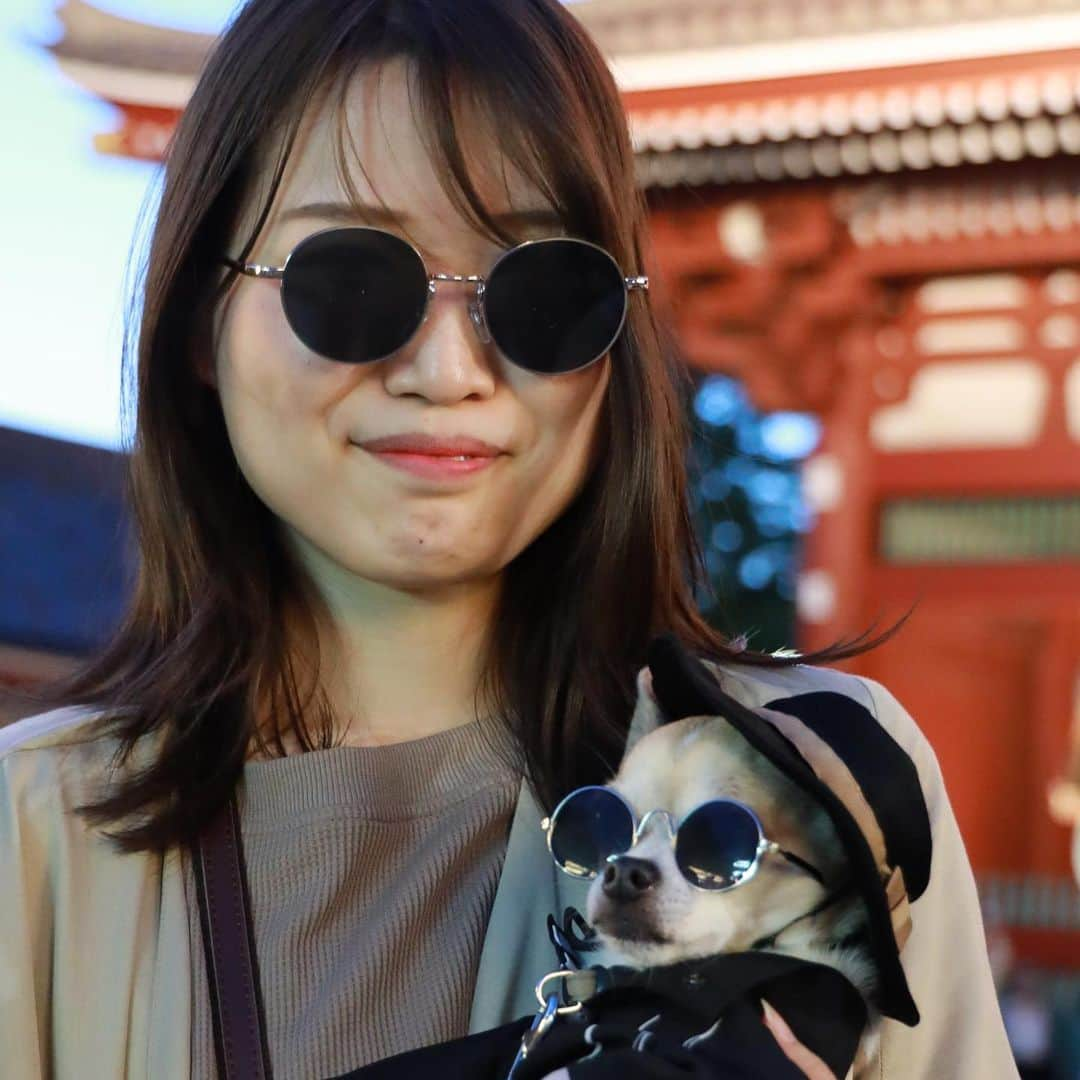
[810, 1063]
[1063, 801]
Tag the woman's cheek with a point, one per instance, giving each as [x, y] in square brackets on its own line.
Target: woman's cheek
[269, 396]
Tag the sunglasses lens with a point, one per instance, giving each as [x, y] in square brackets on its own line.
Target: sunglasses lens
[555, 305]
[354, 294]
[588, 826]
[717, 844]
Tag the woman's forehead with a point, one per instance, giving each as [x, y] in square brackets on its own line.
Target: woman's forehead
[364, 154]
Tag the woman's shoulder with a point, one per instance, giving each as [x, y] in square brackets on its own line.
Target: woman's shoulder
[758, 686]
[751, 682]
[45, 729]
[51, 764]
[45, 757]
[80, 915]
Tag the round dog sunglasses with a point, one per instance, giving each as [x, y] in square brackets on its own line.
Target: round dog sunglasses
[718, 845]
[358, 293]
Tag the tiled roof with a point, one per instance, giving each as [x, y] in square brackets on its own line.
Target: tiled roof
[941, 115]
[914, 213]
[927, 102]
[625, 27]
[736, 125]
[64, 570]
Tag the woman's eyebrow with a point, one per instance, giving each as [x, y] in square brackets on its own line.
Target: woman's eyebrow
[378, 215]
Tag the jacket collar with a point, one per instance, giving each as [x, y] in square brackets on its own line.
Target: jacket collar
[516, 952]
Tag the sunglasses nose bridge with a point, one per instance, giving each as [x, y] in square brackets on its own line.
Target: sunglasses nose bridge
[476, 304]
[669, 823]
[476, 313]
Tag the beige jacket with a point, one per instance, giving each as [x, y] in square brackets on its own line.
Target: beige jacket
[95, 966]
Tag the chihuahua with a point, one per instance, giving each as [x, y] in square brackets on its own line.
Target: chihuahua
[729, 881]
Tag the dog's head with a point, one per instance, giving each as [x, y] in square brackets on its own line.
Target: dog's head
[644, 911]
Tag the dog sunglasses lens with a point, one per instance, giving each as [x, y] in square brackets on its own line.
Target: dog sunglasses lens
[354, 294]
[717, 844]
[589, 825]
[555, 305]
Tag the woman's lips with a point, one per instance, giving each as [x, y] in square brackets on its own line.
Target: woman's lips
[434, 466]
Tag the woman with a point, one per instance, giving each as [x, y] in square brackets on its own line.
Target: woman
[374, 656]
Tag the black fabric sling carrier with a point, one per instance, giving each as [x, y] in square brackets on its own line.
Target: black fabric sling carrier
[229, 947]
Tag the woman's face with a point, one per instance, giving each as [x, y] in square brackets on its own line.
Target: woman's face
[295, 418]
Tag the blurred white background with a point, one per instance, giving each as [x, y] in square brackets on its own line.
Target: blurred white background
[67, 224]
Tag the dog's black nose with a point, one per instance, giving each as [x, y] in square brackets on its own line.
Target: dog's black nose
[627, 878]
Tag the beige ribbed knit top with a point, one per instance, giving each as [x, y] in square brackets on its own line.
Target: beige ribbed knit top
[372, 872]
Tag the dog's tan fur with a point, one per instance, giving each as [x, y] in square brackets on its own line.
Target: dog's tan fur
[679, 765]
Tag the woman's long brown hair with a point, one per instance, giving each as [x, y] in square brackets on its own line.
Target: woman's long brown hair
[204, 637]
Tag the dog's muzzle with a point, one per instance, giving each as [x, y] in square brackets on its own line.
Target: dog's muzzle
[627, 878]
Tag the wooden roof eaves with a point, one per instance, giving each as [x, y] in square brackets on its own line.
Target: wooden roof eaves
[850, 82]
[100, 36]
[127, 86]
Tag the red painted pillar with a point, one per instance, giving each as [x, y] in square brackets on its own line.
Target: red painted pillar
[838, 484]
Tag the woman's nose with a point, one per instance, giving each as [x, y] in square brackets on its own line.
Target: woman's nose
[448, 358]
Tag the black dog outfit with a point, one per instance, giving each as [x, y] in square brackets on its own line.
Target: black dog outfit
[696, 1019]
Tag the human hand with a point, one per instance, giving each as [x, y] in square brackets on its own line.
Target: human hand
[1063, 801]
[809, 1062]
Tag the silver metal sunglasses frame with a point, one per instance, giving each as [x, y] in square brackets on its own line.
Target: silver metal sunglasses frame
[765, 846]
[477, 313]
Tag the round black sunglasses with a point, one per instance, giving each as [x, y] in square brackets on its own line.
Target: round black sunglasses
[358, 294]
[718, 845]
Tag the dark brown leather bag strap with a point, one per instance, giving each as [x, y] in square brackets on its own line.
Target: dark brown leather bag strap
[229, 946]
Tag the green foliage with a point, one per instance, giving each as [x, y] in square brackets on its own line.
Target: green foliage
[748, 510]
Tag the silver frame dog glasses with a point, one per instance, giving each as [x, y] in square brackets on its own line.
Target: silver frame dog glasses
[696, 877]
[412, 272]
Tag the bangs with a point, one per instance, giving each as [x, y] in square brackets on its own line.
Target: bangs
[523, 102]
[487, 169]
[497, 111]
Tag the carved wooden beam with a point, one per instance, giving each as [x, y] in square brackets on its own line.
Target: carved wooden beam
[765, 290]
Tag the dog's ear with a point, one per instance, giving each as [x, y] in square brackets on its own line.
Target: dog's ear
[673, 685]
[682, 683]
[647, 714]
